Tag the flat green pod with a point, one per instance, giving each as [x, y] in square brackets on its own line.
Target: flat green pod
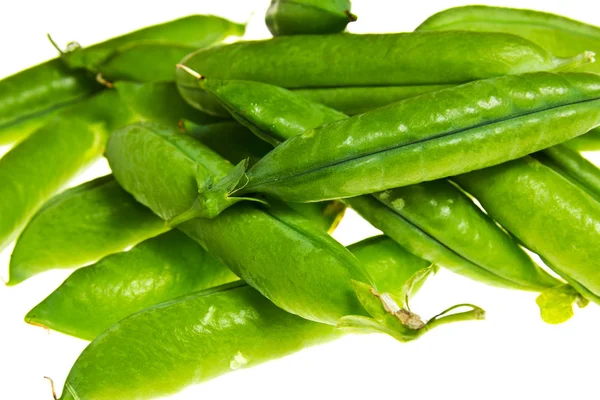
[45, 162]
[308, 17]
[201, 336]
[547, 212]
[559, 35]
[428, 137]
[80, 226]
[389, 60]
[98, 296]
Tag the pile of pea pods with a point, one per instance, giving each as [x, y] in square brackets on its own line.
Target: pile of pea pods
[232, 164]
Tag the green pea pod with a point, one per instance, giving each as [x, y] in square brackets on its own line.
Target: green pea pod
[389, 60]
[588, 142]
[98, 296]
[238, 236]
[430, 136]
[160, 102]
[560, 35]
[201, 336]
[79, 226]
[194, 30]
[308, 17]
[434, 220]
[573, 166]
[548, 213]
[31, 98]
[45, 162]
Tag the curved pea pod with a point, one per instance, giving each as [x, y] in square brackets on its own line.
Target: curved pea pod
[306, 17]
[194, 30]
[434, 220]
[588, 142]
[428, 137]
[334, 292]
[45, 162]
[79, 226]
[402, 59]
[207, 334]
[548, 213]
[30, 98]
[573, 166]
[560, 35]
[98, 296]
[160, 102]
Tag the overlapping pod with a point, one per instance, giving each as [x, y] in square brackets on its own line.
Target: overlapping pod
[46, 161]
[427, 137]
[30, 98]
[394, 65]
[80, 226]
[433, 220]
[239, 235]
[98, 296]
[306, 17]
[548, 213]
[557, 34]
[210, 333]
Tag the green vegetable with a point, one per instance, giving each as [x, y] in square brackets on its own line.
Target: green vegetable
[433, 220]
[79, 226]
[391, 60]
[46, 161]
[239, 236]
[204, 335]
[559, 35]
[96, 297]
[305, 17]
[548, 213]
[427, 137]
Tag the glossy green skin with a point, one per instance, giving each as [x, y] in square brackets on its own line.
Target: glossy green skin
[197, 337]
[45, 162]
[96, 297]
[162, 168]
[266, 118]
[431, 136]
[574, 167]
[194, 30]
[160, 102]
[308, 17]
[588, 142]
[239, 236]
[561, 36]
[547, 213]
[157, 58]
[30, 98]
[79, 226]
[403, 59]
[434, 220]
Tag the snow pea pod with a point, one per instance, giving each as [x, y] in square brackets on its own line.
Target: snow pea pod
[96, 297]
[45, 162]
[79, 226]
[548, 213]
[305, 17]
[239, 234]
[201, 336]
[194, 30]
[428, 137]
[433, 220]
[559, 35]
[403, 59]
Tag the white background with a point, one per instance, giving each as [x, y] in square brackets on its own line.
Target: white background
[510, 355]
